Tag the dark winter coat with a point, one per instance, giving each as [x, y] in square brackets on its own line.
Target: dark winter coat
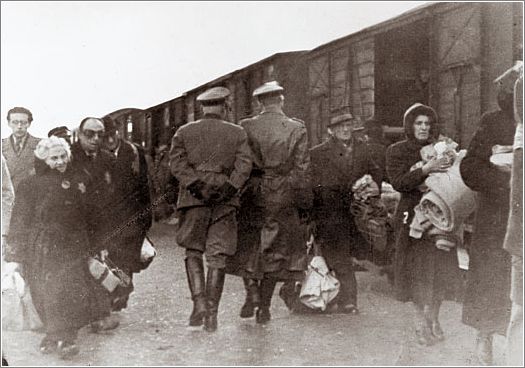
[487, 303]
[421, 271]
[99, 186]
[131, 200]
[49, 236]
[334, 170]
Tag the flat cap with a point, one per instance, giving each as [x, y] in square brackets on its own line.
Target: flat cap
[110, 126]
[268, 87]
[213, 95]
[59, 131]
[346, 117]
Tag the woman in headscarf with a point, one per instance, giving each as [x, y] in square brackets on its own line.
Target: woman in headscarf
[424, 274]
[48, 238]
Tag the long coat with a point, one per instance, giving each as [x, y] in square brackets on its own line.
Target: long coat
[334, 170]
[132, 213]
[20, 164]
[99, 186]
[487, 302]
[422, 273]
[49, 236]
[272, 240]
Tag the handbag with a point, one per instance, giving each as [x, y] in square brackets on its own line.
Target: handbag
[107, 274]
[148, 251]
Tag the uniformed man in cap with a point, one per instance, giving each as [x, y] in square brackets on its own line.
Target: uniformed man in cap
[211, 160]
[279, 187]
[336, 165]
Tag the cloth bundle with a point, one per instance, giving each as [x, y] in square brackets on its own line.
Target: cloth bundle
[447, 201]
[320, 286]
[369, 212]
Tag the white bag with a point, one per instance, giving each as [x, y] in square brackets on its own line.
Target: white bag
[320, 286]
[18, 311]
[148, 251]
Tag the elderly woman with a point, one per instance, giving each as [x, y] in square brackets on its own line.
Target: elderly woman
[336, 165]
[424, 274]
[48, 238]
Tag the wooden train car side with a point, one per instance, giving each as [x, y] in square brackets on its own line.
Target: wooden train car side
[442, 54]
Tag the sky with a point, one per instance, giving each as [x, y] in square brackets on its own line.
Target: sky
[68, 60]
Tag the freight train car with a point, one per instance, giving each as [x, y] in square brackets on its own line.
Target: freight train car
[287, 68]
[442, 54]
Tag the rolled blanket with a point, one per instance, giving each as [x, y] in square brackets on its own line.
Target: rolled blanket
[449, 201]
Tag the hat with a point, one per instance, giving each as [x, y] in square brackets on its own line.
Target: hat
[213, 96]
[59, 131]
[346, 117]
[109, 124]
[267, 88]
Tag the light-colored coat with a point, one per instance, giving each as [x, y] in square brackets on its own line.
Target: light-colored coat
[22, 164]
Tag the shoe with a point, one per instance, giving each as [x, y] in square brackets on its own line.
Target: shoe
[263, 315]
[252, 298]
[424, 334]
[48, 346]
[348, 309]
[106, 324]
[484, 350]
[66, 349]
[437, 331]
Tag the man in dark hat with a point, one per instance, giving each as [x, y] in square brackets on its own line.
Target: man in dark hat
[336, 165]
[211, 160]
[61, 132]
[18, 148]
[279, 186]
[132, 213]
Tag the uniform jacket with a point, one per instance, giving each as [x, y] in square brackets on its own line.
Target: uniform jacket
[280, 148]
[212, 150]
[98, 182]
[21, 164]
[487, 302]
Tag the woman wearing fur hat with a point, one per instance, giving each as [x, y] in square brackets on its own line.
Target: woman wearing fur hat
[48, 238]
[424, 274]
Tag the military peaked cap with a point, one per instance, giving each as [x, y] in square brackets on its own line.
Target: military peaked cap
[212, 96]
[267, 88]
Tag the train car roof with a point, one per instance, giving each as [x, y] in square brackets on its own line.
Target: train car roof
[128, 110]
[407, 16]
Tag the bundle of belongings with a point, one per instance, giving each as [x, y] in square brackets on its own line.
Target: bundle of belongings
[369, 212]
[447, 201]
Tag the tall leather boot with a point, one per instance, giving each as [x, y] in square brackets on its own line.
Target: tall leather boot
[252, 298]
[266, 292]
[214, 285]
[195, 274]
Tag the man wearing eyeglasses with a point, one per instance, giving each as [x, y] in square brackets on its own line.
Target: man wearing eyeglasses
[18, 148]
[96, 167]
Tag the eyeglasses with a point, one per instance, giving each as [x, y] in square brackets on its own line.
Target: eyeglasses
[92, 133]
[20, 122]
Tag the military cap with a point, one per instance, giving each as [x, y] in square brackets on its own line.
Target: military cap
[346, 117]
[213, 96]
[60, 131]
[267, 88]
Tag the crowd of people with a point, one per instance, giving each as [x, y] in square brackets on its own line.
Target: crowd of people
[249, 196]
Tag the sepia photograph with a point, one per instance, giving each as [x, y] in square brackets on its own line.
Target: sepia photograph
[262, 183]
